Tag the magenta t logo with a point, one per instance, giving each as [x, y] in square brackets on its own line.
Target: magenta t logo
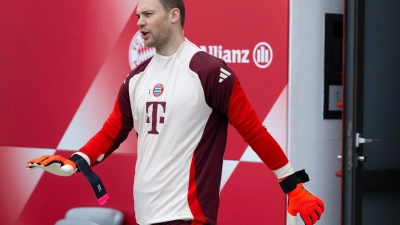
[154, 115]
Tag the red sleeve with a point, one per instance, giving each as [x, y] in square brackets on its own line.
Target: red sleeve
[118, 125]
[243, 117]
[108, 139]
[114, 131]
[224, 94]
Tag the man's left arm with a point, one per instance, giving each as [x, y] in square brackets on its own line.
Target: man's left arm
[243, 117]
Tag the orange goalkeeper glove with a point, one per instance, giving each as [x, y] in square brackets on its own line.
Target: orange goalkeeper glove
[300, 200]
[58, 165]
[54, 164]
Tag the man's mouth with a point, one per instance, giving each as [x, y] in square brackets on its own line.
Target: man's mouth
[144, 33]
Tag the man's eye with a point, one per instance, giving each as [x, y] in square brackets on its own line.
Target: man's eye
[149, 14]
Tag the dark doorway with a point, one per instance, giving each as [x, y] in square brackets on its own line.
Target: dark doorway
[371, 141]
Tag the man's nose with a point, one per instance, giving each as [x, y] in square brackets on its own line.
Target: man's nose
[140, 22]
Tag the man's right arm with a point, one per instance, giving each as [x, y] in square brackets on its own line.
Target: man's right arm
[114, 131]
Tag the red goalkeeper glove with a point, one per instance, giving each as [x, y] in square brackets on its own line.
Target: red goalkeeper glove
[300, 200]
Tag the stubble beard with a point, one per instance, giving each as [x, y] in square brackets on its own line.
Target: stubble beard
[160, 39]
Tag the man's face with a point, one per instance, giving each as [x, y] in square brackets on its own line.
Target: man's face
[153, 22]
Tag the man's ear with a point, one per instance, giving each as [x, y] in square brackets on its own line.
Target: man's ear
[175, 15]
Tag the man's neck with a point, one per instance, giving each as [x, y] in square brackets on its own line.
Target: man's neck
[173, 46]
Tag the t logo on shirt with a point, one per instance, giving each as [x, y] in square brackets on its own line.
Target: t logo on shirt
[154, 115]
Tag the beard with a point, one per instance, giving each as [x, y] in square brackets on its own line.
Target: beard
[161, 37]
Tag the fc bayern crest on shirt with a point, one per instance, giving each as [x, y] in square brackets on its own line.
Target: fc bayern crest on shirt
[158, 90]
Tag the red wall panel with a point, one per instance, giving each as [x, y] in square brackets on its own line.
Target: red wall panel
[61, 66]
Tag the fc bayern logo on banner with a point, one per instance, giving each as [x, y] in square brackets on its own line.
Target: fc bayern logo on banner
[138, 52]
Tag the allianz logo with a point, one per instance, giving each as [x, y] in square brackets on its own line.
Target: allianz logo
[262, 54]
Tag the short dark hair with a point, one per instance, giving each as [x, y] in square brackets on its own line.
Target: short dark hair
[170, 4]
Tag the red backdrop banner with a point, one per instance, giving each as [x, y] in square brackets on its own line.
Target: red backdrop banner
[62, 63]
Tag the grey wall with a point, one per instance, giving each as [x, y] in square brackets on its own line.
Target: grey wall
[313, 143]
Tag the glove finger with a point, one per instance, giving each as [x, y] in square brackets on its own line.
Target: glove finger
[38, 160]
[292, 208]
[308, 213]
[68, 169]
[292, 212]
[31, 166]
[319, 211]
[314, 216]
[306, 220]
[70, 163]
[52, 159]
[320, 204]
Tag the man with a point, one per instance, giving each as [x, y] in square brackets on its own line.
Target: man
[180, 108]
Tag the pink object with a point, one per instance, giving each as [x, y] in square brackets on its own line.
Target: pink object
[103, 199]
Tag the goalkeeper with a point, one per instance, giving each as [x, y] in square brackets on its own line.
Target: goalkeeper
[180, 102]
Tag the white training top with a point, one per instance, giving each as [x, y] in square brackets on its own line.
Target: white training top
[180, 107]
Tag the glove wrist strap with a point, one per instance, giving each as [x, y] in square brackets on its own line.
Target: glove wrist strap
[94, 180]
[74, 158]
[290, 182]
